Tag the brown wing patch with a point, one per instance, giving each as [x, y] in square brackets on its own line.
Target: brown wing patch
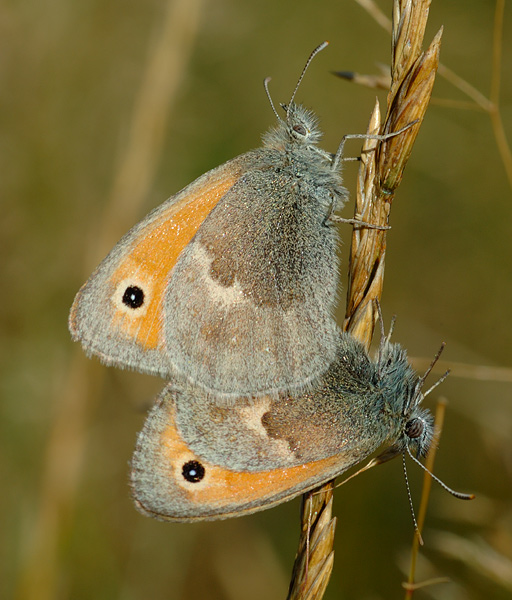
[221, 491]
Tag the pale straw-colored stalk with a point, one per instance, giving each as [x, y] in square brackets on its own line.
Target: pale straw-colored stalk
[381, 170]
[168, 57]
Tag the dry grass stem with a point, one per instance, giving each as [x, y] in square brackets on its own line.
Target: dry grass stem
[166, 63]
[406, 103]
[374, 10]
[381, 170]
[490, 105]
[427, 583]
[480, 557]
[168, 56]
[315, 557]
[381, 81]
[465, 370]
[494, 111]
[367, 252]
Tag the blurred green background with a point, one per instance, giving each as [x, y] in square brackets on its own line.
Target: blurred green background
[78, 169]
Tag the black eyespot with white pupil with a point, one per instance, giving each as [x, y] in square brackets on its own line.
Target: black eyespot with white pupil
[414, 428]
[193, 471]
[133, 297]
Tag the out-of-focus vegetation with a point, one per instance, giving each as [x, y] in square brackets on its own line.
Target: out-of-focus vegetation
[71, 75]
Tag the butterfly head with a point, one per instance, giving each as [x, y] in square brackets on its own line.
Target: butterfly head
[402, 387]
[301, 125]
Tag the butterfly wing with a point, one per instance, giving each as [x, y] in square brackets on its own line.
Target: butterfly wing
[119, 312]
[230, 283]
[170, 481]
[249, 308]
[197, 460]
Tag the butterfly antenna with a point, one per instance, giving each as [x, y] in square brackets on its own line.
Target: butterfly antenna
[440, 380]
[384, 339]
[266, 81]
[431, 366]
[308, 62]
[458, 495]
[411, 505]
[391, 328]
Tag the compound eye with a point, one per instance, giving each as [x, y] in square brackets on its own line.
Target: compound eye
[414, 428]
[300, 129]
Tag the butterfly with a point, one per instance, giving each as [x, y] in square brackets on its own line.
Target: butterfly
[196, 460]
[231, 283]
